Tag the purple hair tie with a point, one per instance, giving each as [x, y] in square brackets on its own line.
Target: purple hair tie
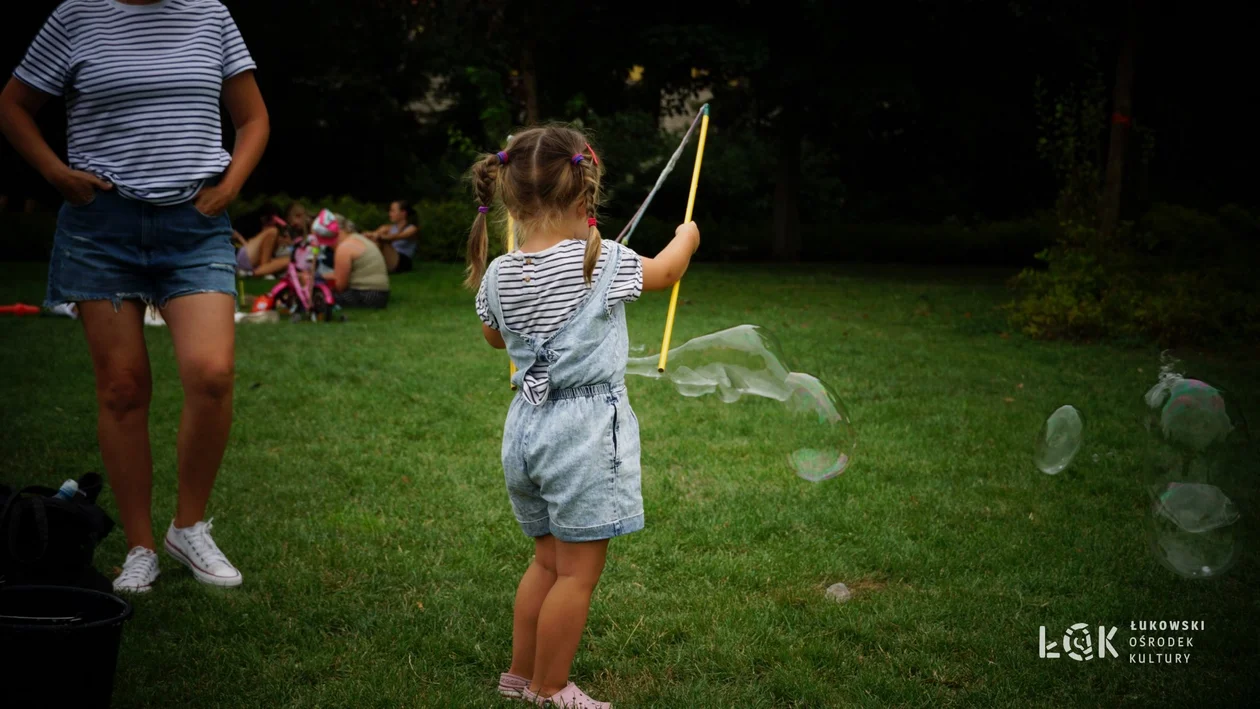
[503, 157]
[578, 158]
[483, 209]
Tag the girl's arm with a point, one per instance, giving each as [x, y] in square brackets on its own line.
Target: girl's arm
[407, 233]
[671, 263]
[253, 127]
[18, 105]
[493, 336]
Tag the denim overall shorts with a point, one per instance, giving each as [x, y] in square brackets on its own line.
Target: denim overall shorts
[571, 463]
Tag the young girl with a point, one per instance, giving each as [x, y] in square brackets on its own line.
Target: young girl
[571, 442]
[397, 239]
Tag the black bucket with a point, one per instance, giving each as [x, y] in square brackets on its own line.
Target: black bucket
[62, 644]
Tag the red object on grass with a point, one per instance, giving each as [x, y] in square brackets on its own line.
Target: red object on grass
[19, 309]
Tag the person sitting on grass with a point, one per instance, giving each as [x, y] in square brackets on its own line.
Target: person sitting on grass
[265, 253]
[298, 218]
[360, 278]
[397, 239]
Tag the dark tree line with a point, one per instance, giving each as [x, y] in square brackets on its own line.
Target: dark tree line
[907, 110]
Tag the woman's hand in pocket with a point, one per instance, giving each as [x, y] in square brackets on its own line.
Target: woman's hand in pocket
[79, 187]
[211, 201]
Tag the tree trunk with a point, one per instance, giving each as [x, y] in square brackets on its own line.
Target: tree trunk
[787, 188]
[1121, 118]
[786, 74]
[529, 83]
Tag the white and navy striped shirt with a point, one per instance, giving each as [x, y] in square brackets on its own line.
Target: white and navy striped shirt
[540, 291]
[142, 85]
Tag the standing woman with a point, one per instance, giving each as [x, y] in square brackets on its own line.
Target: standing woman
[146, 187]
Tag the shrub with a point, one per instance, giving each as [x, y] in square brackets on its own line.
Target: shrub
[443, 223]
[27, 236]
[1176, 276]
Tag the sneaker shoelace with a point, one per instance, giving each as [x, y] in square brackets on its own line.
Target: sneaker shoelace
[137, 568]
[203, 546]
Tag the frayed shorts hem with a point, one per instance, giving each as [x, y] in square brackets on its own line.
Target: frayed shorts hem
[116, 299]
[541, 527]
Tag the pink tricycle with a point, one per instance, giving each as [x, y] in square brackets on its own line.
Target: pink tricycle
[302, 292]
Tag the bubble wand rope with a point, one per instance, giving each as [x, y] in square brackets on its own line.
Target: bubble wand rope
[691, 203]
[624, 236]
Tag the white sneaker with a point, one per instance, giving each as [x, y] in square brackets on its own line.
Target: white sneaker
[139, 571]
[153, 317]
[194, 548]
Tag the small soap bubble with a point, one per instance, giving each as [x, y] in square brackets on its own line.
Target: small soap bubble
[839, 593]
[1058, 440]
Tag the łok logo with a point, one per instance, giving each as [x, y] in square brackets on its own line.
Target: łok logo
[1079, 644]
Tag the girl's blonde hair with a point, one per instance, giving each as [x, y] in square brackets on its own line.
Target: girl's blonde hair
[540, 177]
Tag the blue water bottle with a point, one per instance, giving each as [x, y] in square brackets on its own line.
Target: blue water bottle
[68, 490]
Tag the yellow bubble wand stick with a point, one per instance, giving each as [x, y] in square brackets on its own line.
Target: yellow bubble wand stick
[511, 246]
[691, 203]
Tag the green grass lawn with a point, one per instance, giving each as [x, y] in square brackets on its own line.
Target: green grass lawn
[362, 497]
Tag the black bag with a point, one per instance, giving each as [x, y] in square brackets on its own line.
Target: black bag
[45, 540]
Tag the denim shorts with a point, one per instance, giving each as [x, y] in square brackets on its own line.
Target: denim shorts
[572, 464]
[114, 248]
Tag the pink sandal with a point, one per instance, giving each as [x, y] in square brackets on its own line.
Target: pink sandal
[511, 685]
[568, 698]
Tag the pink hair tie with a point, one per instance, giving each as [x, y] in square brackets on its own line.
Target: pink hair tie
[578, 158]
[590, 221]
[503, 157]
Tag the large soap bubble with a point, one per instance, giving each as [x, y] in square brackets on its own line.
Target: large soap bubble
[742, 361]
[1199, 452]
[1192, 530]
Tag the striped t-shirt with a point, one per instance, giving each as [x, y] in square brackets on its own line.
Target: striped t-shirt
[142, 86]
[540, 291]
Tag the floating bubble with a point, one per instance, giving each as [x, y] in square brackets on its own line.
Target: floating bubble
[821, 435]
[1193, 414]
[735, 362]
[1199, 452]
[747, 361]
[1192, 529]
[1059, 440]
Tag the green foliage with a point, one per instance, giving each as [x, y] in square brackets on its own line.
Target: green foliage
[27, 237]
[1071, 126]
[1185, 278]
[444, 229]
[443, 223]
[496, 112]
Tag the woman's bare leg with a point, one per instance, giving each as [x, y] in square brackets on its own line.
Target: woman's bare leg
[275, 265]
[124, 387]
[391, 256]
[204, 335]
